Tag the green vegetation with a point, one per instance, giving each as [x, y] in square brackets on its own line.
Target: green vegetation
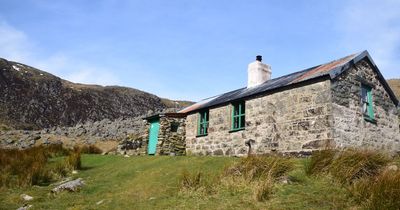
[257, 182]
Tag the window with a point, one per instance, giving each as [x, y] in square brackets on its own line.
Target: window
[202, 128]
[174, 126]
[366, 98]
[238, 116]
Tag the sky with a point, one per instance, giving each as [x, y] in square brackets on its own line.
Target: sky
[191, 50]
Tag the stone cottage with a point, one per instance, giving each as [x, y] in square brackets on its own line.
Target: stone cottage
[343, 103]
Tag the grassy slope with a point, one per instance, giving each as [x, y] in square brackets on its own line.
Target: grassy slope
[152, 183]
[395, 86]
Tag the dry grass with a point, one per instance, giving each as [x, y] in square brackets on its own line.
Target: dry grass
[256, 167]
[363, 174]
[197, 183]
[353, 164]
[73, 161]
[320, 162]
[378, 192]
[254, 176]
[23, 168]
[263, 189]
[347, 165]
[91, 149]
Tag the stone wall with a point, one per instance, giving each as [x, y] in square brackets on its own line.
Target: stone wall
[350, 127]
[169, 142]
[292, 120]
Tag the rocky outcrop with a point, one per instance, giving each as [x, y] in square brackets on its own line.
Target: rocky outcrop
[88, 133]
[33, 99]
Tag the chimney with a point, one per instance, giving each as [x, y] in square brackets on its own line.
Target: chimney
[258, 72]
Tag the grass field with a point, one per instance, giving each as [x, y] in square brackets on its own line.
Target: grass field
[115, 182]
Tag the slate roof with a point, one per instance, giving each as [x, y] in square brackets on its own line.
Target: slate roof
[331, 69]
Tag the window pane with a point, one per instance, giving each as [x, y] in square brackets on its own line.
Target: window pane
[365, 108]
[236, 109]
[235, 122]
[242, 122]
[242, 108]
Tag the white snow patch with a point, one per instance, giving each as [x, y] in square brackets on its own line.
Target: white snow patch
[16, 68]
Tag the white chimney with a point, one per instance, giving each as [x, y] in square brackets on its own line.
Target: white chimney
[258, 72]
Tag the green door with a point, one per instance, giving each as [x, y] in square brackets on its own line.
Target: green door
[153, 136]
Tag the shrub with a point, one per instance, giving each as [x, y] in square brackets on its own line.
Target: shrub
[255, 167]
[354, 164]
[380, 192]
[320, 162]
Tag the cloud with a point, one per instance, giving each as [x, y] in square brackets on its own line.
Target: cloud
[15, 45]
[375, 26]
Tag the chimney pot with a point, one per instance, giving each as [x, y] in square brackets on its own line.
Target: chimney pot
[259, 58]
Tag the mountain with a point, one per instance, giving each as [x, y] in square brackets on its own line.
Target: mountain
[34, 99]
[395, 86]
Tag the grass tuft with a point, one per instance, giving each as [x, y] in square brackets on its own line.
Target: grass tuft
[380, 192]
[263, 189]
[320, 162]
[73, 160]
[355, 164]
[256, 167]
[24, 168]
[91, 149]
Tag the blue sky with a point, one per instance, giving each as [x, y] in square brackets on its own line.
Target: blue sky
[193, 49]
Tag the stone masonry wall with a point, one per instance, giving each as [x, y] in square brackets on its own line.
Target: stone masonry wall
[350, 127]
[292, 120]
[169, 142]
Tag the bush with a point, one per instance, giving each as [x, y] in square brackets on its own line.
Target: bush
[354, 164]
[380, 192]
[256, 167]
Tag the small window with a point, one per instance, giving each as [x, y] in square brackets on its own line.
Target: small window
[202, 128]
[174, 126]
[238, 115]
[366, 98]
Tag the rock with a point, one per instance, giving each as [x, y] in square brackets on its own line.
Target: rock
[99, 202]
[71, 186]
[74, 172]
[393, 168]
[25, 207]
[126, 156]
[26, 197]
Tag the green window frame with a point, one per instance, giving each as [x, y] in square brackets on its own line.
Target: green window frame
[238, 116]
[367, 104]
[202, 126]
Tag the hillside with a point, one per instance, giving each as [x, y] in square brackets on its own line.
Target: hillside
[395, 85]
[34, 99]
